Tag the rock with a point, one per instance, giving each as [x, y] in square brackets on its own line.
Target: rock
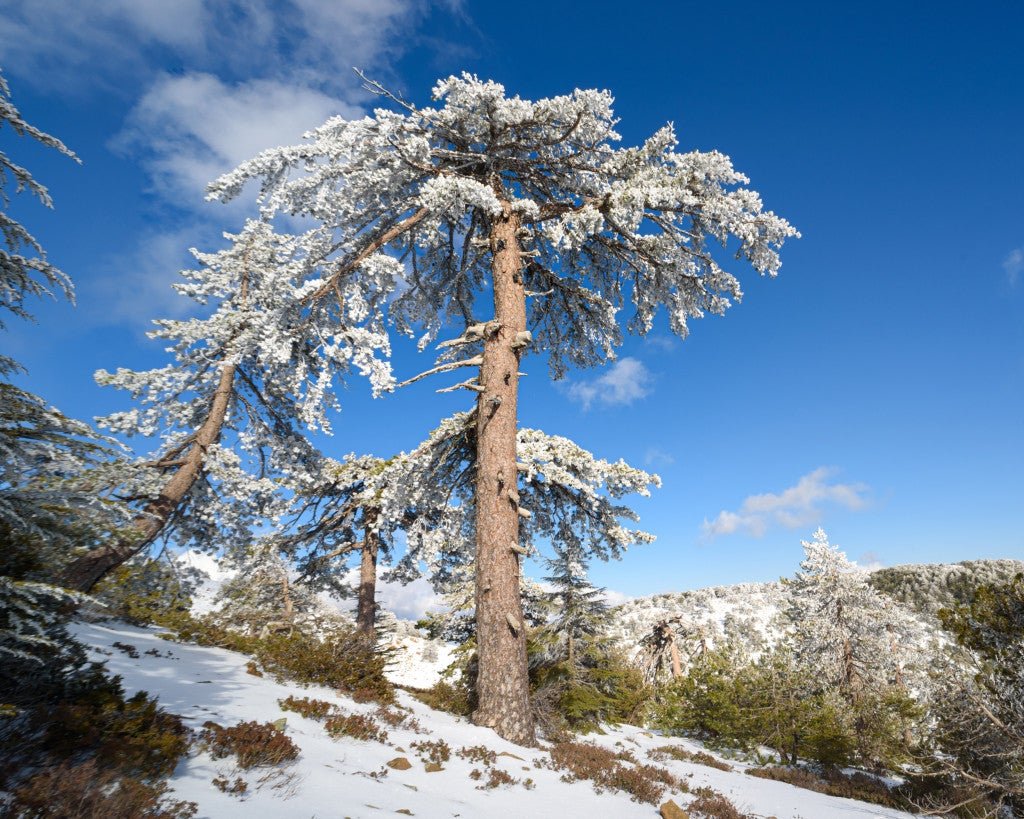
[280, 724]
[670, 810]
[432, 767]
[405, 811]
[400, 763]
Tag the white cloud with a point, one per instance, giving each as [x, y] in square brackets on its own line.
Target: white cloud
[190, 129]
[870, 562]
[115, 43]
[799, 505]
[658, 457]
[626, 381]
[616, 598]
[1013, 264]
[661, 343]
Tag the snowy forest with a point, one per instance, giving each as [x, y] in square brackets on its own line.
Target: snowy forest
[204, 522]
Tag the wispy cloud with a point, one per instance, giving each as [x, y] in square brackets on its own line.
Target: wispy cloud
[658, 457]
[870, 561]
[1013, 264]
[187, 130]
[799, 505]
[51, 42]
[626, 381]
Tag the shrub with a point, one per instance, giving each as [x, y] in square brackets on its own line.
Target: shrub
[835, 783]
[134, 736]
[710, 804]
[478, 753]
[579, 760]
[698, 757]
[89, 791]
[437, 752]
[356, 726]
[340, 659]
[443, 696]
[254, 744]
[309, 708]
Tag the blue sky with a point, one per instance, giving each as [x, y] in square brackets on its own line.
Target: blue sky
[875, 388]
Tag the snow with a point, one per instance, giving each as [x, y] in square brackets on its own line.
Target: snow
[331, 777]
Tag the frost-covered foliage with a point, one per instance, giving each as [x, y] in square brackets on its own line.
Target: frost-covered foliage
[569, 496]
[53, 469]
[262, 348]
[855, 638]
[24, 269]
[600, 223]
[927, 588]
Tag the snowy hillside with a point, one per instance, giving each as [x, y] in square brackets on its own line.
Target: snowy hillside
[749, 610]
[335, 777]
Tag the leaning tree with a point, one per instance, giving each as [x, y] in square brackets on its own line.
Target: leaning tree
[486, 201]
[246, 382]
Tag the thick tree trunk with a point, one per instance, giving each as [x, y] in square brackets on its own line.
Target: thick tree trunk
[90, 568]
[366, 604]
[502, 684]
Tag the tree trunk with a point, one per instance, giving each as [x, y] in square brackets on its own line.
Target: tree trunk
[677, 668]
[86, 571]
[366, 605]
[502, 684]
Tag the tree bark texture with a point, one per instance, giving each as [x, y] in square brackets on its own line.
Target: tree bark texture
[366, 604]
[502, 684]
[86, 571]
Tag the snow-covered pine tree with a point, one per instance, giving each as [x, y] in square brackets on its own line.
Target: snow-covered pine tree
[843, 627]
[857, 644]
[243, 384]
[491, 200]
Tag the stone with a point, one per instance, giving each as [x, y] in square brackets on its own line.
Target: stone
[432, 767]
[400, 763]
[670, 810]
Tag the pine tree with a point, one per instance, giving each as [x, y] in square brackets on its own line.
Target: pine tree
[245, 384]
[53, 469]
[496, 199]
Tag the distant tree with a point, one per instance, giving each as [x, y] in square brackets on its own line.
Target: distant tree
[854, 642]
[496, 199]
[245, 384]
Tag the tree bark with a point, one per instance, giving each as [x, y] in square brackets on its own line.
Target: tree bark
[502, 684]
[366, 604]
[86, 571]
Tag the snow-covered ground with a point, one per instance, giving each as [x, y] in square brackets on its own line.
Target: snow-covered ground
[332, 777]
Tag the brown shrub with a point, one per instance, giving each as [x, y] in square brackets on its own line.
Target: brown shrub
[581, 760]
[834, 783]
[446, 697]
[87, 791]
[681, 754]
[239, 786]
[478, 753]
[255, 744]
[438, 752]
[710, 804]
[309, 708]
[356, 726]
